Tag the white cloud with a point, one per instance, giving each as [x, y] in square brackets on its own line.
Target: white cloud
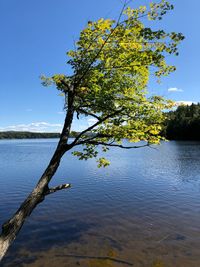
[174, 89]
[29, 109]
[34, 127]
[185, 103]
[61, 112]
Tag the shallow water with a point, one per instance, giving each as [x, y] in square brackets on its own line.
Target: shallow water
[143, 210]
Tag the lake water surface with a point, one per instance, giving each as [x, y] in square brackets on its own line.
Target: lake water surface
[143, 210]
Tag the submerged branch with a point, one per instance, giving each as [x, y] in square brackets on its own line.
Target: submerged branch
[99, 258]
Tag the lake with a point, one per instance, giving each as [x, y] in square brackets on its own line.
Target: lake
[143, 210]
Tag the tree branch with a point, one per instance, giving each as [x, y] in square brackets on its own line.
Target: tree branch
[121, 13]
[101, 48]
[57, 188]
[93, 126]
[118, 23]
[116, 145]
[85, 141]
[89, 113]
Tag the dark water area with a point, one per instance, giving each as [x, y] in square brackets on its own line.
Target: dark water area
[142, 211]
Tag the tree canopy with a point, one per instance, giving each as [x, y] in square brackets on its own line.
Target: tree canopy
[111, 64]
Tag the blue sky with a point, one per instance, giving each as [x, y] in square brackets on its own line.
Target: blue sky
[35, 36]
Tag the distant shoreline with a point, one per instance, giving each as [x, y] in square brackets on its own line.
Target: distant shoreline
[9, 135]
[27, 135]
[30, 135]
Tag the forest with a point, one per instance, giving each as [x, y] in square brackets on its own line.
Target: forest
[26, 135]
[183, 123]
[31, 135]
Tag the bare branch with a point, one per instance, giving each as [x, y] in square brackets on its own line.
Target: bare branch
[93, 126]
[99, 258]
[121, 13]
[86, 141]
[57, 188]
[139, 17]
[89, 113]
[116, 145]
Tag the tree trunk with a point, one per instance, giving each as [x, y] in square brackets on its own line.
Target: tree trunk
[11, 228]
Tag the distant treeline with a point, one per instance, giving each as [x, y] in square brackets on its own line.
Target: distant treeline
[30, 135]
[183, 123]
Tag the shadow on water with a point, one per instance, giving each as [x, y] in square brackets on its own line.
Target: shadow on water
[45, 238]
[64, 233]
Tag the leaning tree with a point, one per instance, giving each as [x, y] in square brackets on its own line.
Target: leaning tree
[111, 65]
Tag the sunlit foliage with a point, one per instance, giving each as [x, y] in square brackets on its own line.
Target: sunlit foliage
[111, 65]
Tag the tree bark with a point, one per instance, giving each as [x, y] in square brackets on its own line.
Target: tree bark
[11, 228]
